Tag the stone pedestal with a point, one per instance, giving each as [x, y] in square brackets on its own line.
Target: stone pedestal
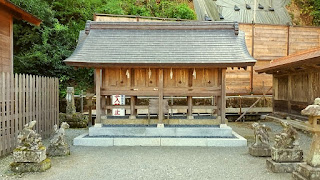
[286, 155]
[283, 167]
[284, 160]
[30, 160]
[21, 167]
[306, 172]
[76, 120]
[29, 156]
[58, 150]
[260, 151]
[311, 170]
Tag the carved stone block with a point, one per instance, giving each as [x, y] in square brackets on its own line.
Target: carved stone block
[58, 150]
[29, 156]
[305, 171]
[286, 167]
[260, 151]
[21, 167]
[286, 155]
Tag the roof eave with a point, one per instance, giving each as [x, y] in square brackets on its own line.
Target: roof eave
[19, 13]
[158, 65]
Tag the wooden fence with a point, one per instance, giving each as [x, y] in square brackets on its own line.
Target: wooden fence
[24, 98]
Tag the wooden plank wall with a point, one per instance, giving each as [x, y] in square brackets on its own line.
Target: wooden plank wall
[5, 41]
[295, 91]
[24, 98]
[269, 42]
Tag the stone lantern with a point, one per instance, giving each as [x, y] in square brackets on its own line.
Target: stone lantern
[311, 170]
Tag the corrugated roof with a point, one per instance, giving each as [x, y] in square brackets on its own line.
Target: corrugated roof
[226, 8]
[294, 60]
[146, 43]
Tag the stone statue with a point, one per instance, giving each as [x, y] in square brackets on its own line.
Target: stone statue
[29, 139]
[260, 147]
[30, 154]
[58, 145]
[59, 136]
[71, 108]
[261, 134]
[286, 153]
[287, 139]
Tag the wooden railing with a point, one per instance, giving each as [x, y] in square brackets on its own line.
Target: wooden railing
[24, 98]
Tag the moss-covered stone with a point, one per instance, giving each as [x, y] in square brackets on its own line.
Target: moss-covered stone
[23, 155]
[75, 120]
[20, 167]
[61, 150]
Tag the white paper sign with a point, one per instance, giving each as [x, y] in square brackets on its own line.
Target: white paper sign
[118, 112]
[118, 100]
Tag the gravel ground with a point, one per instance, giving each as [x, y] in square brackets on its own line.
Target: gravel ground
[158, 162]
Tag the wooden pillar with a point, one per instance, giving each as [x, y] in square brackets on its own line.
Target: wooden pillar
[189, 99]
[223, 96]
[274, 92]
[289, 93]
[160, 89]
[98, 97]
[133, 111]
[251, 80]
[218, 101]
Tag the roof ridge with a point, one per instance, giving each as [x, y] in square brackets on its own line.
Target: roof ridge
[164, 25]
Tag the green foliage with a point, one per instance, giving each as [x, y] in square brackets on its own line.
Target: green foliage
[41, 50]
[310, 8]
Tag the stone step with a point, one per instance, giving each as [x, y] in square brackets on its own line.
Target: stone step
[214, 131]
[85, 140]
[297, 176]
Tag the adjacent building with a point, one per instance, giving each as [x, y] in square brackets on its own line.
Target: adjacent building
[8, 11]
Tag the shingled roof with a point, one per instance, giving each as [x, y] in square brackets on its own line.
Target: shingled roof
[297, 60]
[161, 44]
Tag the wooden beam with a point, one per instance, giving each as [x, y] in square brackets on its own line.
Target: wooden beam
[223, 96]
[160, 115]
[154, 91]
[98, 96]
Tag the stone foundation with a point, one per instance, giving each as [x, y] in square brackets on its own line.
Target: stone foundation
[306, 172]
[76, 120]
[21, 167]
[284, 167]
[58, 150]
[260, 151]
[28, 156]
[286, 155]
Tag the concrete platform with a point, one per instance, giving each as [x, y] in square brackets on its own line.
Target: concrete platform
[235, 141]
[171, 131]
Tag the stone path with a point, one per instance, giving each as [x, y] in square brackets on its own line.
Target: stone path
[157, 162]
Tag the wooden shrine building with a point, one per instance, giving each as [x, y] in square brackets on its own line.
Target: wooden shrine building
[161, 59]
[8, 11]
[296, 81]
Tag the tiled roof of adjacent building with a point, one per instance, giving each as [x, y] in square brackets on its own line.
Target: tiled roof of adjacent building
[299, 59]
[159, 43]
